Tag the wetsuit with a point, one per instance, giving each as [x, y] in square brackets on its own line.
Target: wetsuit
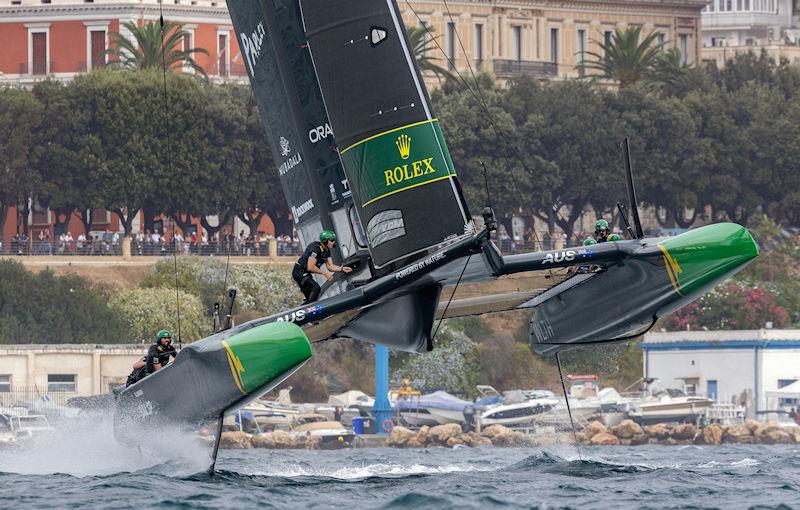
[301, 275]
[156, 354]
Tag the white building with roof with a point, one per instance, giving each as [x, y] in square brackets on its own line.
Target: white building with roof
[729, 366]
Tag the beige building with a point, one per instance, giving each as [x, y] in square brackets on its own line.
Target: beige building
[731, 27]
[71, 370]
[545, 38]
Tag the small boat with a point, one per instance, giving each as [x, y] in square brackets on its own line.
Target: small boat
[661, 405]
[24, 425]
[512, 407]
[437, 408]
[332, 433]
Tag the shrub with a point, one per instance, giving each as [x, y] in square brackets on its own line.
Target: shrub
[44, 308]
[145, 311]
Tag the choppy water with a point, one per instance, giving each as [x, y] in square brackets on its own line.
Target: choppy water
[83, 466]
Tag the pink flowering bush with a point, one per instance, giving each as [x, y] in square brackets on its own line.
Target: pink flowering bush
[731, 306]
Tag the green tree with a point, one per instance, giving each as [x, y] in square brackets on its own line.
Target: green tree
[48, 309]
[19, 122]
[625, 58]
[423, 44]
[151, 49]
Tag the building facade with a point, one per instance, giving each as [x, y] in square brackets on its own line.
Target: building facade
[546, 38]
[70, 370]
[731, 27]
[61, 38]
[729, 366]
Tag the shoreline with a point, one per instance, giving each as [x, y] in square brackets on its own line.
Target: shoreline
[627, 433]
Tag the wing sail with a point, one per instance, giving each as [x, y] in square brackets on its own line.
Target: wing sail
[394, 155]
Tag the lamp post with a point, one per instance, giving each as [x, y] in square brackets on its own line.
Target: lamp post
[382, 410]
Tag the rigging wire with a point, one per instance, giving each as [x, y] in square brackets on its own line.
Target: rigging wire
[569, 410]
[455, 288]
[167, 117]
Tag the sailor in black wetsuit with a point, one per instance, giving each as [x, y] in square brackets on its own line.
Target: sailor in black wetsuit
[316, 254]
[157, 357]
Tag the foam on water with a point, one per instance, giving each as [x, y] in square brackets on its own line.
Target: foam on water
[363, 472]
[86, 446]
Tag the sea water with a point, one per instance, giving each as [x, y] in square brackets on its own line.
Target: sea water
[82, 466]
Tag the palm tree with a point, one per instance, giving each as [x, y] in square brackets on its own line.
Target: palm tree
[144, 51]
[625, 59]
[422, 42]
[667, 71]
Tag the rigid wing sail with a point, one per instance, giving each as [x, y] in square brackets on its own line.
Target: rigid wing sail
[346, 64]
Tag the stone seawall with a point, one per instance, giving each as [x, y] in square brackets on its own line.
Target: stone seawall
[626, 433]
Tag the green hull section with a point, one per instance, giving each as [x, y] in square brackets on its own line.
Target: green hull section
[215, 375]
[649, 279]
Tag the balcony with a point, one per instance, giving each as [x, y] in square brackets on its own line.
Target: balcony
[536, 69]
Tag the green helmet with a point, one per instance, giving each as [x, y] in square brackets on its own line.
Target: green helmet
[615, 237]
[601, 225]
[164, 334]
[590, 241]
[327, 235]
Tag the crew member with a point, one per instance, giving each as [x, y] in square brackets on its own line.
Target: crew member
[602, 234]
[156, 358]
[315, 255]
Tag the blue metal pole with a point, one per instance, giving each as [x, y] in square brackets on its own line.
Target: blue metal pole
[382, 410]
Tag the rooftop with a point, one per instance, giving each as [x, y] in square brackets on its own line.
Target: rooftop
[723, 339]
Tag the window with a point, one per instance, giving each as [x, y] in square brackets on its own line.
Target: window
[581, 56]
[712, 5]
[451, 45]
[516, 43]
[98, 46]
[39, 54]
[554, 45]
[5, 383]
[478, 43]
[684, 38]
[782, 383]
[661, 38]
[606, 42]
[61, 382]
[746, 5]
[222, 54]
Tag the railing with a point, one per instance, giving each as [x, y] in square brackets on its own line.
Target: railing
[510, 68]
[100, 248]
[37, 400]
[225, 70]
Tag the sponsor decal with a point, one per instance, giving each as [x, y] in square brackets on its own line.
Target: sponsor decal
[251, 46]
[385, 226]
[405, 172]
[418, 266]
[543, 330]
[296, 316]
[293, 161]
[285, 147]
[289, 164]
[346, 186]
[320, 133]
[404, 145]
[559, 256]
[302, 208]
[332, 189]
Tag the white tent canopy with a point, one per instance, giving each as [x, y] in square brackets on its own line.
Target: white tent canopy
[790, 391]
[351, 398]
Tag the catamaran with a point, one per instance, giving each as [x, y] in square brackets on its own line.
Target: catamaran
[360, 151]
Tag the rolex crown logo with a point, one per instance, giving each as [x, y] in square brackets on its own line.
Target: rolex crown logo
[404, 146]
